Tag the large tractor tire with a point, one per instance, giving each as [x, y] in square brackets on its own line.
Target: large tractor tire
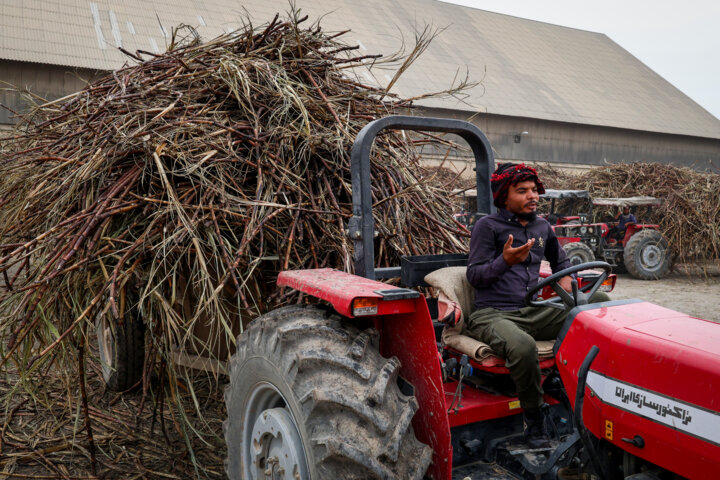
[310, 397]
[646, 255]
[578, 253]
[121, 346]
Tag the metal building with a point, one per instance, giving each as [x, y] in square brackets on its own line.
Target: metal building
[546, 93]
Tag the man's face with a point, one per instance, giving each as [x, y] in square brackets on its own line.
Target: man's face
[522, 198]
[626, 210]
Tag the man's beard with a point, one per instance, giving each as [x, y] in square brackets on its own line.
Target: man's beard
[529, 217]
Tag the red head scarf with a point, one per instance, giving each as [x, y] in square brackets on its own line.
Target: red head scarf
[508, 174]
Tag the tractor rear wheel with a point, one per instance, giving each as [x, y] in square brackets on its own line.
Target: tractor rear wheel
[121, 345]
[646, 255]
[578, 253]
[310, 397]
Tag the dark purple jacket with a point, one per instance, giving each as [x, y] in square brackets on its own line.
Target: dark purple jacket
[496, 283]
[623, 220]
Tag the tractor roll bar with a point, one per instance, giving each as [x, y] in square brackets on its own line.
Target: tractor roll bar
[361, 228]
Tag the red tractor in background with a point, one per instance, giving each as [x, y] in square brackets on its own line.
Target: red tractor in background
[359, 385]
[642, 251]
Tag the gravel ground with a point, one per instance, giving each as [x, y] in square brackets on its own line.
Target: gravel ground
[696, 295]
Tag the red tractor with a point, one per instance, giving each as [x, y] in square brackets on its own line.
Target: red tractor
[640, 249]
[360, 385]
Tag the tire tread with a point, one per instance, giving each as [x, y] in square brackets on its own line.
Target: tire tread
[358, 421]
[634, 244]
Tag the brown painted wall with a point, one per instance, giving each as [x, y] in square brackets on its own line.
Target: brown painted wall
[48, 81]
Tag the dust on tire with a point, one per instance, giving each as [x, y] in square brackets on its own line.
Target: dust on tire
[578, 253]
[353, 420]
[646, 255]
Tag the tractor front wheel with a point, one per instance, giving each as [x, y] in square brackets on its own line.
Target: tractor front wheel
[578, 253]
[646, 255]
[310, 397]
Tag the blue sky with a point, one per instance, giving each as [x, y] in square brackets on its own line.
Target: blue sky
[680, 40]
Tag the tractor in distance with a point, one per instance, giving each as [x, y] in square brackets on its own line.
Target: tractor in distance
[359, 385]
[467, 216]
[641, 251]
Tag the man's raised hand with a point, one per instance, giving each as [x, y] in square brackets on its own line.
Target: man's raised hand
[516, 255]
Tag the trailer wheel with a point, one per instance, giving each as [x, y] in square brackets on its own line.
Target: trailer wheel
[578, 253]
[310, 397]
[646, 255]
[121, 346]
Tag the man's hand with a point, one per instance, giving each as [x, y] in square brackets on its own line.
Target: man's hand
[512, 255]
[566, 283]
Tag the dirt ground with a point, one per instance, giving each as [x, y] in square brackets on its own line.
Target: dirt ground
[697, 295]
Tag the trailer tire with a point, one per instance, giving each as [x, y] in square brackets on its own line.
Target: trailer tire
[121, 346]
[646, 255]
[311, 396]
[578, 253]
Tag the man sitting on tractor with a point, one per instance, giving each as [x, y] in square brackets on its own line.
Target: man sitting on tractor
[624, 219]
[506, 249]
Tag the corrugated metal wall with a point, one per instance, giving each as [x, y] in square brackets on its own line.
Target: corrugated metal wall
[534, 140]
[47, 81]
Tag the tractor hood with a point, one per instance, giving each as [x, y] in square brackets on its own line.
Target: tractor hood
[689, 332]
[676, 356]
[657, 377]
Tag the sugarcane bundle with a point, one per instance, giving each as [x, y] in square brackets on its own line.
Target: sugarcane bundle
[191, 179]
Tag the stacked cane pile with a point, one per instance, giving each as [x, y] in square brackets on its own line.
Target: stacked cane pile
[689, 216]
[192, 178]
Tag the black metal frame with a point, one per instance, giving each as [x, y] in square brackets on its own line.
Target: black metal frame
[361, 228]
[585, 436]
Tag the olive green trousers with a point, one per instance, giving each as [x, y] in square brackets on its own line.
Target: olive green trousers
[512, 334]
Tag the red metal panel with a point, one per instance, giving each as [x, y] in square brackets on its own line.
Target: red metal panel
[565, 240]
[677, 359]
[633, 229]
[651, 352]
[685, 455]
[689, 332]
[677, 356]
[478, 405]
[340, 289]
[411, 338]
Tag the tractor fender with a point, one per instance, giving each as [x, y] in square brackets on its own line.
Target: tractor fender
[406, 332]
[636, 227]
[345, 292]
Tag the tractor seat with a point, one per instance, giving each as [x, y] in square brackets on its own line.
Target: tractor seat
[455, 291]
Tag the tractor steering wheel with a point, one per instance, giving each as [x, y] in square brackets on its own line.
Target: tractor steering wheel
[565, 300]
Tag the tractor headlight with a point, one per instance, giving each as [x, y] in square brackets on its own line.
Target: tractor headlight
[365, 306]
[607, 285]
